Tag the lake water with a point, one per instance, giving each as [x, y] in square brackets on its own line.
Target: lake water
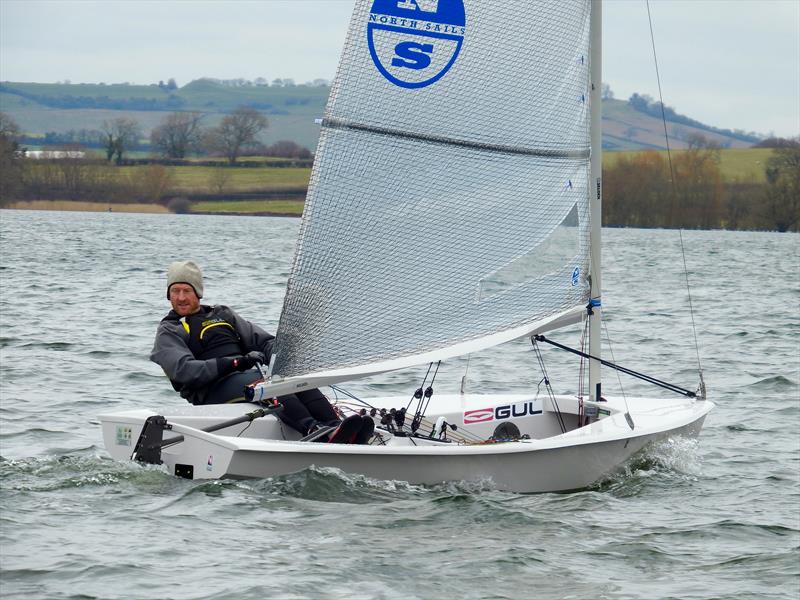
[81, 295]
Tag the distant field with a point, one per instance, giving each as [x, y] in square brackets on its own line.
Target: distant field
[281, 207]
[241, 179]
[276, 207]
[242, 159]
[744, 164]
[76, 205]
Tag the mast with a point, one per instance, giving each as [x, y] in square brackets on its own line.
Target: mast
[595, 193]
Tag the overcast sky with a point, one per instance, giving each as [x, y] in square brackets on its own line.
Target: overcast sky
[728, 63]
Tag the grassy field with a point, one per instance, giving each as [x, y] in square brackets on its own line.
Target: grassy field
[74, 205]
[743, 164]
[746, 164]
[241, 179]
[292, 208]
[275, 207]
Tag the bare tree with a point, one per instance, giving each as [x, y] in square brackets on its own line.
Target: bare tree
[782, 194]
[218, 179]
[10, 159]
[177, 135]
[8, 127]
[235, 132]
[288, 149]
[119, 135]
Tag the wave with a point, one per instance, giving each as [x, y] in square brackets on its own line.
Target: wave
[739, 428]
[329, 484]
[778, 383]
[68, 471]
[663, 461]
[59, 346]
[39, 432]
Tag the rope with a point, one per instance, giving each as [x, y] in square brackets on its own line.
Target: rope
[619, 379]
[426, 426]
[674, 195]
[546, 380]
[628, 416]
[691, 309]
[418, 392]
[423, 399]
[661, 99]
[338, 390]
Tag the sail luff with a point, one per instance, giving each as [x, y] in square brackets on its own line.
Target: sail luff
[595, 197]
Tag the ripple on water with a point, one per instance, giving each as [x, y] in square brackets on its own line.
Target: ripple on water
[677, 521]
[778, 383]
[327, 484]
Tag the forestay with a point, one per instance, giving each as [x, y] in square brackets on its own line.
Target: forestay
[448, 201]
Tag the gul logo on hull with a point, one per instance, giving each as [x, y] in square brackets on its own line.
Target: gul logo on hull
[478, 416]
[413, 43]
[506, 411]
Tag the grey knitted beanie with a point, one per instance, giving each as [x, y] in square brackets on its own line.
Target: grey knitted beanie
[185, 271]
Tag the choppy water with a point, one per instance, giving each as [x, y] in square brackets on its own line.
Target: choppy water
[80, 299]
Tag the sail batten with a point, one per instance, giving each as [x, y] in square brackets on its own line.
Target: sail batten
[446, 206]
[581, 153]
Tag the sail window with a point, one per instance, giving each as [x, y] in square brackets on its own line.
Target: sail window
[551, 254]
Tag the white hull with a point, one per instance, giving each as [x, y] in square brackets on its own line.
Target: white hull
[549, 461]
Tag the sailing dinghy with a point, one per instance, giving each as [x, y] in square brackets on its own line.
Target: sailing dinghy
[454, 205]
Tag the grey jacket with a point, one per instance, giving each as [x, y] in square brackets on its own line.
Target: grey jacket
[189, 376]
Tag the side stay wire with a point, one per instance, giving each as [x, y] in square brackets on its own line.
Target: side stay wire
[674, 195]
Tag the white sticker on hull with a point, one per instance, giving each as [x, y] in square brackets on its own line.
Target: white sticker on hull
[123, 435]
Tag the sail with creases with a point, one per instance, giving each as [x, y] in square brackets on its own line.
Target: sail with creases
[449, 196]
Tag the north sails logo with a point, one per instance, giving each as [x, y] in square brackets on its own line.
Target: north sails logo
[413, 43]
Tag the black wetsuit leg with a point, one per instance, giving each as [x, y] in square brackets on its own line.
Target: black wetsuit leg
[318, 405]
[231, 387]
[301, 411]
[295, 414]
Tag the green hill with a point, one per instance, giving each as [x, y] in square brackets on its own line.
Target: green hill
[39, 108]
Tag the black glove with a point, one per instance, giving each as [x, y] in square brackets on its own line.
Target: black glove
[249, 360]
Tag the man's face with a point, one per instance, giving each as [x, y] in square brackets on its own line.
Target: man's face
[183, 299]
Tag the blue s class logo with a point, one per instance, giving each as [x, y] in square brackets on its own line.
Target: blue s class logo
[413, 43]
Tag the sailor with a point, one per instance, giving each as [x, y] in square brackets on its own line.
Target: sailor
[210, 355]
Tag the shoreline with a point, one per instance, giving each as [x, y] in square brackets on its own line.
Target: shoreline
[104, 207]
[138, 208]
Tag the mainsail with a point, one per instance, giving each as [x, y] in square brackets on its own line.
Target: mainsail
[448, 201]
